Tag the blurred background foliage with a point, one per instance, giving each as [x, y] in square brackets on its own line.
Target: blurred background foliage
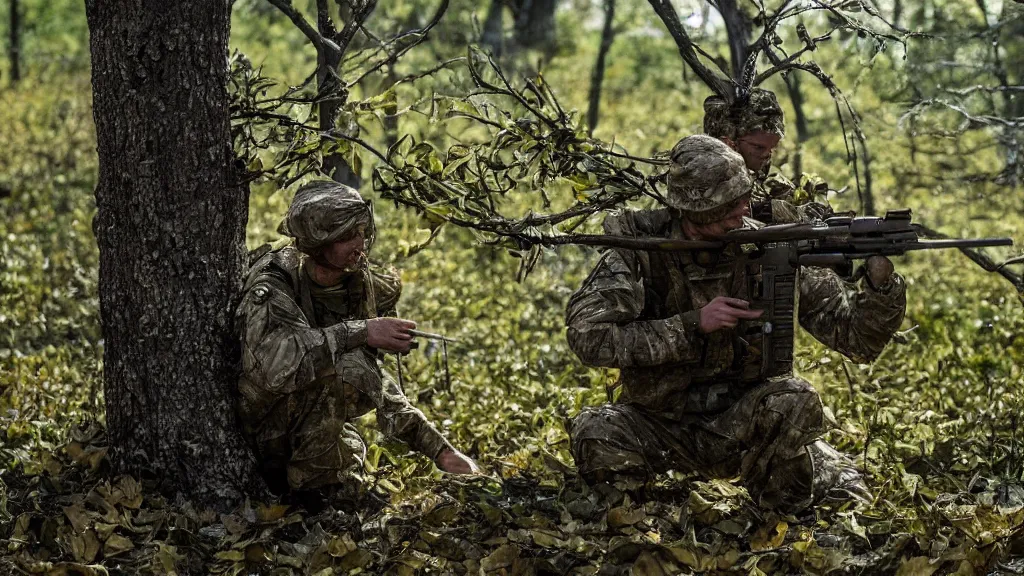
[934, 422]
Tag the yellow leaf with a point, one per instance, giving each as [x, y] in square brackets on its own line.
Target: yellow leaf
[271, 513]
[503, 557]
[768, 536]
[621, 516]
[75, 569]
[104, 530]
[230, 555]
[85, 546]
[918, 566]
[341, 545]
[131, 492]
[687, 556]
[650, 565]
[547, 539]
[168, 558]
[116, 544]
[78, 517]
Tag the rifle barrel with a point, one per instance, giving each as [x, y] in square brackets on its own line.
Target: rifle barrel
[780, 233]
[959, 243]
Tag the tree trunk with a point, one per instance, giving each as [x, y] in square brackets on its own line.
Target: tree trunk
[170, 224]
[493, 34]
[738, 28]
[796, 96]
[14, 44]
[535, 24]
[867, 199]
[597, 76]
[330, 87]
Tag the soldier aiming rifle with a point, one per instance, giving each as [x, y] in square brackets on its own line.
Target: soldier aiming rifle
[695, 305]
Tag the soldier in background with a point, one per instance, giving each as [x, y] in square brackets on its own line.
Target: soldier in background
[693, 398]
[754, 129]
[313, 321]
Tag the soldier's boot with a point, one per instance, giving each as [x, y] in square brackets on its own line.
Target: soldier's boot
[835, 478]
[821, 475]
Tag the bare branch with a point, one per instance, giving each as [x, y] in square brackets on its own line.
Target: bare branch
[360, 12]
[790, 63]
[418, 35]
[979, 88]
[670, 18]
[322, 45]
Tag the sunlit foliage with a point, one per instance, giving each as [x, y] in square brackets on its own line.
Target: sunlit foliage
[934, 422]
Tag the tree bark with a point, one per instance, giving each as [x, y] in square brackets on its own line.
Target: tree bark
[330, 88]
[170, 224]
[796, 96]
[738, 29]
[597, 76]
[535, 24]
[14, 41]
[867, 204]
[493, 34]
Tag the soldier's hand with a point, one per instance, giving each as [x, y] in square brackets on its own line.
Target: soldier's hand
[879, 269]
[455, 462]
[724, 312]
[391, 334]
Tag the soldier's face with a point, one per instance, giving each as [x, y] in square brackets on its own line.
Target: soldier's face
[346, 254]
[731, 221]
[734, 219]
[756, 149]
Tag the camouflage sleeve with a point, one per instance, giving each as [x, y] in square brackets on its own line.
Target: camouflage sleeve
[779, 200]
[400, 419]
[396, 416]
[280, 350]
[857, 322]
[387, 288]
[785, 212]
[603, 326]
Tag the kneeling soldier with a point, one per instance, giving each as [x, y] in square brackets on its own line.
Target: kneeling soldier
[668, 320]
[312, 324]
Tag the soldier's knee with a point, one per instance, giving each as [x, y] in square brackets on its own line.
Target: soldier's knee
[798, 401]
[606, 422]
[603, 442]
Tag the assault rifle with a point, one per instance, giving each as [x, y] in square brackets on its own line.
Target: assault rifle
[774, 255]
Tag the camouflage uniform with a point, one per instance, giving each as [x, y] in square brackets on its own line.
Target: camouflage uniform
[774, 199]
[307, 370]
[690, 401]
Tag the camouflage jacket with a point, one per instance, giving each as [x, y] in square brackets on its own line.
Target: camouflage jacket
[298, 337]
[778, 200]
[640, 312]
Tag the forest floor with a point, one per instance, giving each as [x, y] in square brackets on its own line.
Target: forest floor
[933, 423]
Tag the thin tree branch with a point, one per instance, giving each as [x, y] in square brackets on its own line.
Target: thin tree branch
[669, 16]
[322, 45]
[418, 35]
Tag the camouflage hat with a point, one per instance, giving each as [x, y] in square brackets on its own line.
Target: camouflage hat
[761, 113]
[323, 212]
[705, 177]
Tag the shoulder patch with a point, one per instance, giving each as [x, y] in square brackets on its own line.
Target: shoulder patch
[260, 293]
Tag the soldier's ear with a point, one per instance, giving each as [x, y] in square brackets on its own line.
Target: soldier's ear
[728, 142]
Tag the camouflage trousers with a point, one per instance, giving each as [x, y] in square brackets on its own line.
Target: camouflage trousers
[769, 438]
[308, 441]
